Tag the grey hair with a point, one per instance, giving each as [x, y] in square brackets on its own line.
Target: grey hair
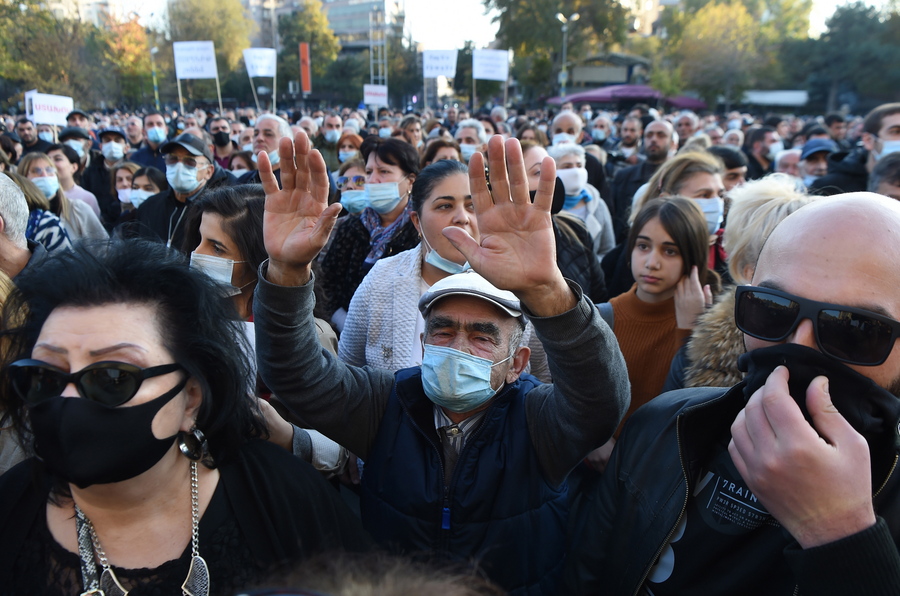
[500, 111]
[284, 129]
[473, 123]
[310, 121]
[557, 152]
[14, 211]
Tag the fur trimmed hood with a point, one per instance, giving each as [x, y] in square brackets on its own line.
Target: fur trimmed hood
[715, 346]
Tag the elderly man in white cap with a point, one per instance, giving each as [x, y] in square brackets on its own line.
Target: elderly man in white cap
[465, 456]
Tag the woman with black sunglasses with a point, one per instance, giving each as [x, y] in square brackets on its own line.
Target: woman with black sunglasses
[131, 374]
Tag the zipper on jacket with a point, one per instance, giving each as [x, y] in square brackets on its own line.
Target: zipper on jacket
[444, 541]
[687, 494]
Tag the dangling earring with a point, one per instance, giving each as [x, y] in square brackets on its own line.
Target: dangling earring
[194, 446]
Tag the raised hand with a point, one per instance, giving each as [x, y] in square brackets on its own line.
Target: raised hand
[690, 299]
[297, 219]
[815, 481]
[517, 251]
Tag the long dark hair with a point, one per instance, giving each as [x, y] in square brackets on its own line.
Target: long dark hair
[202, 332]
[684, 221]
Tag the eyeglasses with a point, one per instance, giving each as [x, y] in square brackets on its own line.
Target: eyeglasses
[108, 383]
[345, 181]
[190, 162]
[848, 334]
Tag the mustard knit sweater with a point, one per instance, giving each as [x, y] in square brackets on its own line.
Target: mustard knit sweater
[649, 338]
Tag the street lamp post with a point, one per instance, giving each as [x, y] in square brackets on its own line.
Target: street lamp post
[153, 51]
[564, 73]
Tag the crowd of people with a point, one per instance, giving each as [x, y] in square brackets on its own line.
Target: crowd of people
[501, 352]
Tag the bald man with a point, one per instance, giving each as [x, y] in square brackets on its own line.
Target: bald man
[767, 487]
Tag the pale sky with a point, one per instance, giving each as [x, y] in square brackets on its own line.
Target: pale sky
[447, 26]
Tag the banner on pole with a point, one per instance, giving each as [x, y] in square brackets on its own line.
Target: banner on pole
[439, 63]
[195, 60]
[375, 95]
[260, 62]
[490, 65]
[305, 73]
[42, 108]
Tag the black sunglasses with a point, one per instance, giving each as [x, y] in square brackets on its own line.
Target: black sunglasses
[108, 383]
[848, 334]
[343, 181]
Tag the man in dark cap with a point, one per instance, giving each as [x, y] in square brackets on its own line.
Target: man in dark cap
[189, 170]
[814, 159]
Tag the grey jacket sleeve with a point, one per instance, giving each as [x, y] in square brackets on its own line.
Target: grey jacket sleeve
[344, 403]
[590, 391]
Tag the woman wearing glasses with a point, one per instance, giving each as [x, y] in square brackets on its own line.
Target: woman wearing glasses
[710, 357]
[131, 374]
[383, 228]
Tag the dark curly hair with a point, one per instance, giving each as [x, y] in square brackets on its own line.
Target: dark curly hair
[201, 330]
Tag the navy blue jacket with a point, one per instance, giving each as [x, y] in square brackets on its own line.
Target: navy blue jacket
[498, 509]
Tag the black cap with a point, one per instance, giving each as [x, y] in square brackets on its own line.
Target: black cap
[13, 136]
[78, 112]
[71, 132]
[192, 144]
[111, 129]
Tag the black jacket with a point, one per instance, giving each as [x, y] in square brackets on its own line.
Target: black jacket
[624, 185]
[576, 259]
[96, 179]
[846, 173]
[623, 522]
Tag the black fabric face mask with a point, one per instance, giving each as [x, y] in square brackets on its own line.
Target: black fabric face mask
[221, 139]
[870, 409]
[86, 443]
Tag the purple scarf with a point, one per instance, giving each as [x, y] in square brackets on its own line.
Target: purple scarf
[379, 236]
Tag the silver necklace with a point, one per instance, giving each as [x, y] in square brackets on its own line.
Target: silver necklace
[90, 551]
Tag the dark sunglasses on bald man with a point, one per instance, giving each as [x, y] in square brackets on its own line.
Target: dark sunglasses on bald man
[851, 335]
[108, 383]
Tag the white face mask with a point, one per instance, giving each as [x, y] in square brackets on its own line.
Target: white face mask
[467, 151]
[574, 179]
[775, 148]
[113, 151]
[713, 210]
[238, 173]
[247, 147]
[219, 269]
[124, 194]
[139, 195]
[562, 138]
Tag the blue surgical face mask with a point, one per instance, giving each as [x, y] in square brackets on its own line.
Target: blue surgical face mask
[385, 133]
[182, 178]
[561, 138]
[48, 185]
[354, 201]
[455, 380]
[887, 147]
[598, 134]
[808, 180]
[383, 197]
[46, 136]
[156, 135]
[713, 210]
[274, 158]
[467, 151]
[78, 146]
[332, 136]
[139, 195]
[433, 258]
[112, 151]
[345, 155]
